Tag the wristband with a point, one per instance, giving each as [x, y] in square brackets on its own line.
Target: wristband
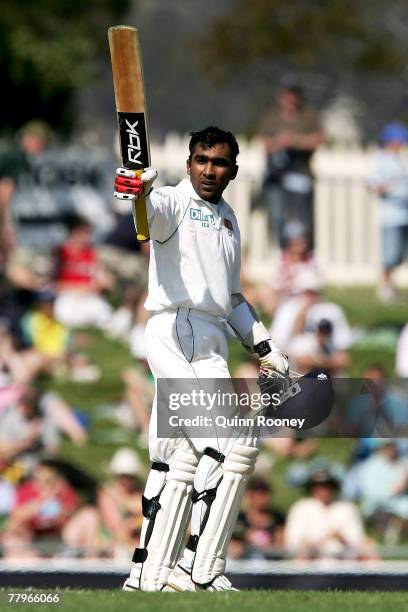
[263, 348]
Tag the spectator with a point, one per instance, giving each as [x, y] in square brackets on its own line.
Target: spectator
[265, 523]
[303, 312]
[7, 497]
[47, 515]
[44, 334]
[320, 525]
[50, 344]
[239, 547]
[383, 489]
[16, 169]
[315, 350]
[379, 412]
[291, 132]
[295, 257]
[25, 432]
[401, 365]
[120, 502]
[389, 179]
[80, 280]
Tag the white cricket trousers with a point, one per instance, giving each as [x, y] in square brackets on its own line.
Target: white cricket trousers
[184, 344]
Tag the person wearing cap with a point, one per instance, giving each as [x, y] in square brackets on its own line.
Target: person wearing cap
[389, 179]
[119, 502]
[321, 525]
[291, 132]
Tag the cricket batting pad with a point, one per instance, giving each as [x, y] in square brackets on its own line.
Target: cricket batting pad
[163, 548]
[209, 560]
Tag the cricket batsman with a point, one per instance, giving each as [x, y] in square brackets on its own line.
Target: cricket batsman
[194, 287]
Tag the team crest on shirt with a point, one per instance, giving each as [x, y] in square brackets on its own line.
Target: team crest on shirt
[228, 225]
[206, 220]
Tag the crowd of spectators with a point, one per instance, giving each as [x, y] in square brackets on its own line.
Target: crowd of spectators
[93, 275]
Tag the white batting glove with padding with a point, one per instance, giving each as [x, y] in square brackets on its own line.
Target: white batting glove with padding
[271, 359]
[129, 186]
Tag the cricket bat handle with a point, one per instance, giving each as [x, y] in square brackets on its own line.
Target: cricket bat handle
[139, 210]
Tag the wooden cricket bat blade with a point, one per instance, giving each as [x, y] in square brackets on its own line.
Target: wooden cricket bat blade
[127, 71]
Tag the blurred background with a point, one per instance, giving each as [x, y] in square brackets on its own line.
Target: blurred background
[317, 96]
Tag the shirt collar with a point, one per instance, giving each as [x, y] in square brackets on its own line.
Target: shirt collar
[186, 187]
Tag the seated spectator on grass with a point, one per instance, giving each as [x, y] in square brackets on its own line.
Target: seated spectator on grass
[382, 487]
[7, 497]
[239, 546]
[80, 280]
[17, 367]
[316, 350]
[47, 518]
[52, 345]
[120, 502]
[380, 409]
[303, 312]
[41, 329]
[321, 525]
[401, 364]
[25, 432]
[265, 523]
[31, 424]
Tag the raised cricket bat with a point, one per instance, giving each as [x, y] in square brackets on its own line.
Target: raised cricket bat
[128, 83]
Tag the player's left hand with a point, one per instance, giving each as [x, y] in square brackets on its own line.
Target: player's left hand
[271, 359]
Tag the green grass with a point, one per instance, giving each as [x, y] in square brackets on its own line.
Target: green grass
[363, 311]
[363, 308]
[245, 601]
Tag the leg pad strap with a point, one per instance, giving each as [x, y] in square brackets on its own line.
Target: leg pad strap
[139, 555]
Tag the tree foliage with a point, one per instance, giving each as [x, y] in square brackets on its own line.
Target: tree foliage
[306, 34]
[48, 50]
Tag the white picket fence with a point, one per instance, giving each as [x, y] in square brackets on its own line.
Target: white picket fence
[347, 236]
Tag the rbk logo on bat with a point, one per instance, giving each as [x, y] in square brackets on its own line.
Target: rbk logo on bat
[133, 140]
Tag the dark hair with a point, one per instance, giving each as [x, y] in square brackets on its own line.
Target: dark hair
[325, 326]
[74, 221]
[290, 83]
[211, 136]
[323, 476]
[258, 484]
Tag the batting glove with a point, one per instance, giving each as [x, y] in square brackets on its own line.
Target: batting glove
[271, 359]
[129, 186]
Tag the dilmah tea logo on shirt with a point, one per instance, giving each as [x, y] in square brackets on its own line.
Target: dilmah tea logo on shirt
[196, 214]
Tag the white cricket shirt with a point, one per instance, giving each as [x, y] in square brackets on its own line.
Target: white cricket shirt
[195, 257]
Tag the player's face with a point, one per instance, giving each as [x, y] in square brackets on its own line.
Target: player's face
[210, 170]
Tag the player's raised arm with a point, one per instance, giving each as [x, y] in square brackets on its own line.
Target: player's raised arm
[162, 205]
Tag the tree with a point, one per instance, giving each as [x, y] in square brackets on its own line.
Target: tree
[48, 50]
[306, 34]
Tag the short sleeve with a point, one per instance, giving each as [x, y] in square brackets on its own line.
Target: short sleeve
[164, 212]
